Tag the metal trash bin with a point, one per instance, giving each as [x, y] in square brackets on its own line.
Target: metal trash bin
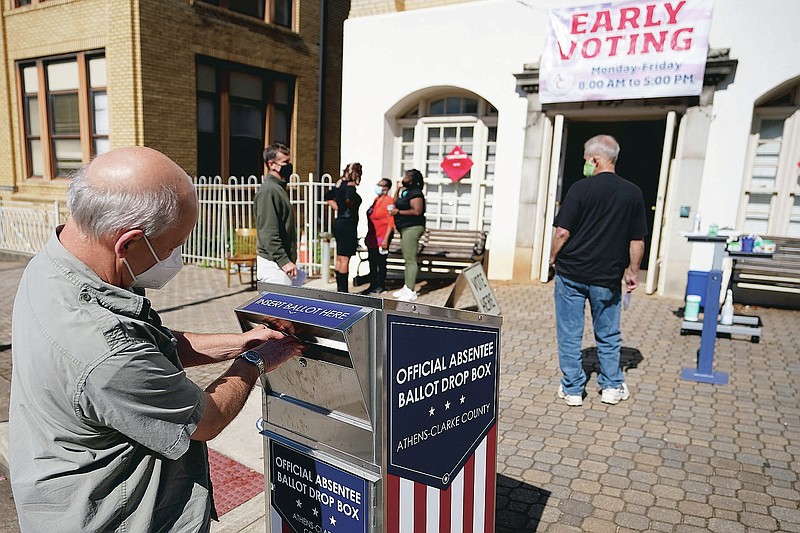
[389, 421]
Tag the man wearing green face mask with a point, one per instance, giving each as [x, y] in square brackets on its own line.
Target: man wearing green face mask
[589, 168]
[598, 241]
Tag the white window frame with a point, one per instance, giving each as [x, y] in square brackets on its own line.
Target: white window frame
[87, 134]
[785, 192]
[480, 188]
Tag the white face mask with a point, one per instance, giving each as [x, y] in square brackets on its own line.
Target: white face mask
[159, 274]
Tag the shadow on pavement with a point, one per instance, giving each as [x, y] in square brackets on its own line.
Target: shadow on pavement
[8, 513]
[629, 358]
[519, 505]
[200, 302]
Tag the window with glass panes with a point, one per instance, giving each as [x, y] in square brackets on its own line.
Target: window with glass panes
[240, 110]
[99, 105]
[771, 194]
[64, 113]
[277, 12]
[430, 131]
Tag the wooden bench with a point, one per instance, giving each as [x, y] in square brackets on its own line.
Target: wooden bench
[442, 254]
[769, 282]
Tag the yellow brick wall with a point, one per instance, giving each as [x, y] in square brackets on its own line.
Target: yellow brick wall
[60, 27]
[151, 47]
[174, 33]
[7, 155]
[332, 114]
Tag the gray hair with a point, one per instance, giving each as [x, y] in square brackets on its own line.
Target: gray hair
[604, 146]
[272, 151]
[103, 209]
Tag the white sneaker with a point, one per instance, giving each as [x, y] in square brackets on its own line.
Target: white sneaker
[614, 396]
[410, 296]
[403, 290]
[573, 400]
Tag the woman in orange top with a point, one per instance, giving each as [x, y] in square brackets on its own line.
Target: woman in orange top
[379, 233]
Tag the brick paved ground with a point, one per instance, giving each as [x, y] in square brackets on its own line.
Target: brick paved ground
[676, 457]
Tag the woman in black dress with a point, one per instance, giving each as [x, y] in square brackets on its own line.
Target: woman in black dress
[345, 201]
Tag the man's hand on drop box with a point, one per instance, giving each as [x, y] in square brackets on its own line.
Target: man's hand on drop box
[260, 334]
[277, 351]
[271, 344]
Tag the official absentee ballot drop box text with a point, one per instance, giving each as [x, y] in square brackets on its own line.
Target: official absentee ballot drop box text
[388, 423]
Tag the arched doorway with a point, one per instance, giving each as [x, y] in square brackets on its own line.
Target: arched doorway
[429, 126]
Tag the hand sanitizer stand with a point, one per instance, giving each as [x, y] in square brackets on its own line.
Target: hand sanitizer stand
[709, 328]
[704, 372]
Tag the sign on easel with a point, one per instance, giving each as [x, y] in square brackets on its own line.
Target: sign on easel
[475, 277]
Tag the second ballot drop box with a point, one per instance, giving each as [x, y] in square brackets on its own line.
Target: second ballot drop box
[388, 423]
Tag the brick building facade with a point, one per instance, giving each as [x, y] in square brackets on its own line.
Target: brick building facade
[209, 83]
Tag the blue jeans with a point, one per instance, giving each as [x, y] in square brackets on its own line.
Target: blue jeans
[604, 303]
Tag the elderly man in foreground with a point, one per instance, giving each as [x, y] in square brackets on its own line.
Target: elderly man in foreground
[106, 432]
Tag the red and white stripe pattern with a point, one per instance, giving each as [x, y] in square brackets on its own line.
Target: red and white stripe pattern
[467, 506]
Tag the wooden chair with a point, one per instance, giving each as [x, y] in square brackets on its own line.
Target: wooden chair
[243, 253]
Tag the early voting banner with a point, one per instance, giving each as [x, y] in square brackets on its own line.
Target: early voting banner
[622, 50]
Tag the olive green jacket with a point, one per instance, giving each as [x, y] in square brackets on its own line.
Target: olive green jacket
[277, 237]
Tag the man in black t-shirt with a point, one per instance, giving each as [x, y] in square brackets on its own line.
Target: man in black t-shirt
[598, 241]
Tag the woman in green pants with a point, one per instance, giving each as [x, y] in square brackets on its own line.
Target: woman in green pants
[409, 219]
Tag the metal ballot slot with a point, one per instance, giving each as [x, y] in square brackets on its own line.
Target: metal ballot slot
[324, 397]
[388, 398]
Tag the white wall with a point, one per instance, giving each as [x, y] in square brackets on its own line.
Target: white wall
[761, 38]
[478, 46]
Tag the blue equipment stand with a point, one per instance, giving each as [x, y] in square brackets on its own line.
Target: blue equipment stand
[704, 372]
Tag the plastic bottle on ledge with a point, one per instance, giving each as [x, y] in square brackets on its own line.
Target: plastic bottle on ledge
[697, 220]
[726, 315]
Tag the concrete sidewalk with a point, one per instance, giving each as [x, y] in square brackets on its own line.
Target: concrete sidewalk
[678, 456]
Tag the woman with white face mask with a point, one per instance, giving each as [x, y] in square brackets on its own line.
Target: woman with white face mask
[409, 218]
[380, 226]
